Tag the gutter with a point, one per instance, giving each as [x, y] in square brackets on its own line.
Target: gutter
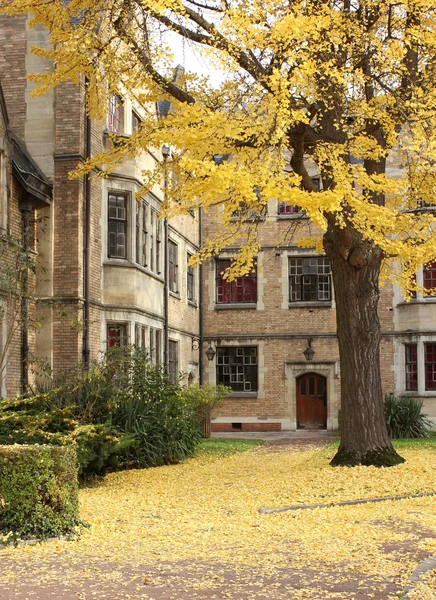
[200, 298]
[87, 242]
[25, 207]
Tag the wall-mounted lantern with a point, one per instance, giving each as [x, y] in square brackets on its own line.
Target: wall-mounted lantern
[309, 353]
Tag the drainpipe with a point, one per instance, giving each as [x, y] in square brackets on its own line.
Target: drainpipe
[200, 297]
[26, 211]
[165, 154]
[87, 242]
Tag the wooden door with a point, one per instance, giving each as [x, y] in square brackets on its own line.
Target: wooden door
[312, 401]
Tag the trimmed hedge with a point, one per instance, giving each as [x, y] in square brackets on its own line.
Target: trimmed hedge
[38, 491]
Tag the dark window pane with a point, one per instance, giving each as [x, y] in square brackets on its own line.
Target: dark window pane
[117, 226]
[173, 267]
[173, 368]
[309, 279]
[237, 368]
[311, 386]
[241, 290]
[430, 366]
[430, 277]
[411, 367]
[116, 335]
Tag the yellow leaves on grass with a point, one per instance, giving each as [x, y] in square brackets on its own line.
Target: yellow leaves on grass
[206, 511]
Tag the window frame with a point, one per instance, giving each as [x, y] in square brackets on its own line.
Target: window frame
[231, 362]
[173, 361]
[173, 267]
[249, 290]
[411, 367]
[123, 337]
[429, 279]
[117, 194]
[430, 367]
[141, 335]
[136, 121]
[312, 284]
[190, 281]
[116, 114]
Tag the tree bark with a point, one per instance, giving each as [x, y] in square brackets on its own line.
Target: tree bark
[355, 270]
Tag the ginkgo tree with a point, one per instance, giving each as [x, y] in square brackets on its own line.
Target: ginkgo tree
[347, 84]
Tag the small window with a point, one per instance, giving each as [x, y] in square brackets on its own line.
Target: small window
[430, 366]
[116, 110]
[190, 281]
[117, 243]
[151, 241]
[430, 277]
[237, 368]
[140, 336]
[136, 121]
[173, 361]
[116, 335]
[141, 233]
[288, 209]
[155, 345]
[309, 279]
[242, 290]
[158, 243]
[173, 267]
[411, 367]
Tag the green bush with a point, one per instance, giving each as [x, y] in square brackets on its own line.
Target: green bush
[38, 491]
[204, 398]
[123, 411]
[42, 420]
[404, 418]
[164, 425]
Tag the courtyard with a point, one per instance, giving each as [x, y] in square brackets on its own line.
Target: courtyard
[194, 531]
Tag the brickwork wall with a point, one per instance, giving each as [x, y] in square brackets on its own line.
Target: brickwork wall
[13, 44]
[280, 327]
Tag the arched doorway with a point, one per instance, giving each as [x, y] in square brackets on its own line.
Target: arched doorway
[311, 401]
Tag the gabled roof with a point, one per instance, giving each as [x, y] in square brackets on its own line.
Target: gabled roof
[25, 169]
[28, 173]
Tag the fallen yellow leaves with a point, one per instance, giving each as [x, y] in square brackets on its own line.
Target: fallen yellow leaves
[206, 511]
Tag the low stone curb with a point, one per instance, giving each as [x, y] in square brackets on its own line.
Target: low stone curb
[429, 564]
[268, 511]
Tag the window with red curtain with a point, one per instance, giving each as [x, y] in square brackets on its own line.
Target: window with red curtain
[430, 366]
[411, 367]
[288, 209]
[430, 277]
[116, 335]
[243, 290]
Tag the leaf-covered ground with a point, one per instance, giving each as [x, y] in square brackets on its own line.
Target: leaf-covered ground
[193, 531]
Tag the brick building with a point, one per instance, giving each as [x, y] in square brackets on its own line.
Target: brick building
[101, 275]
[119, 275]
[262, 327]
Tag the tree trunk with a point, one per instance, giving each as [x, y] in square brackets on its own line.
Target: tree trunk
[355, 269]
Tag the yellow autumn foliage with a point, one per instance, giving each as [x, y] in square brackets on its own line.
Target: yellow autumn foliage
[205, 512]
[341, 79]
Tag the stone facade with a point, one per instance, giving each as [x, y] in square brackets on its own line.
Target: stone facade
[260, 341]
[126, 291]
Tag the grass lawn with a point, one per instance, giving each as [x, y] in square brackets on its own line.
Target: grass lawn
[193, 531]
[225, 447]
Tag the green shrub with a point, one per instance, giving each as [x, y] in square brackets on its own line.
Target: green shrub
[404, 418]
[204, 398]
[164, 425]
[41, 420]
[38, 491]
[124, 411]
